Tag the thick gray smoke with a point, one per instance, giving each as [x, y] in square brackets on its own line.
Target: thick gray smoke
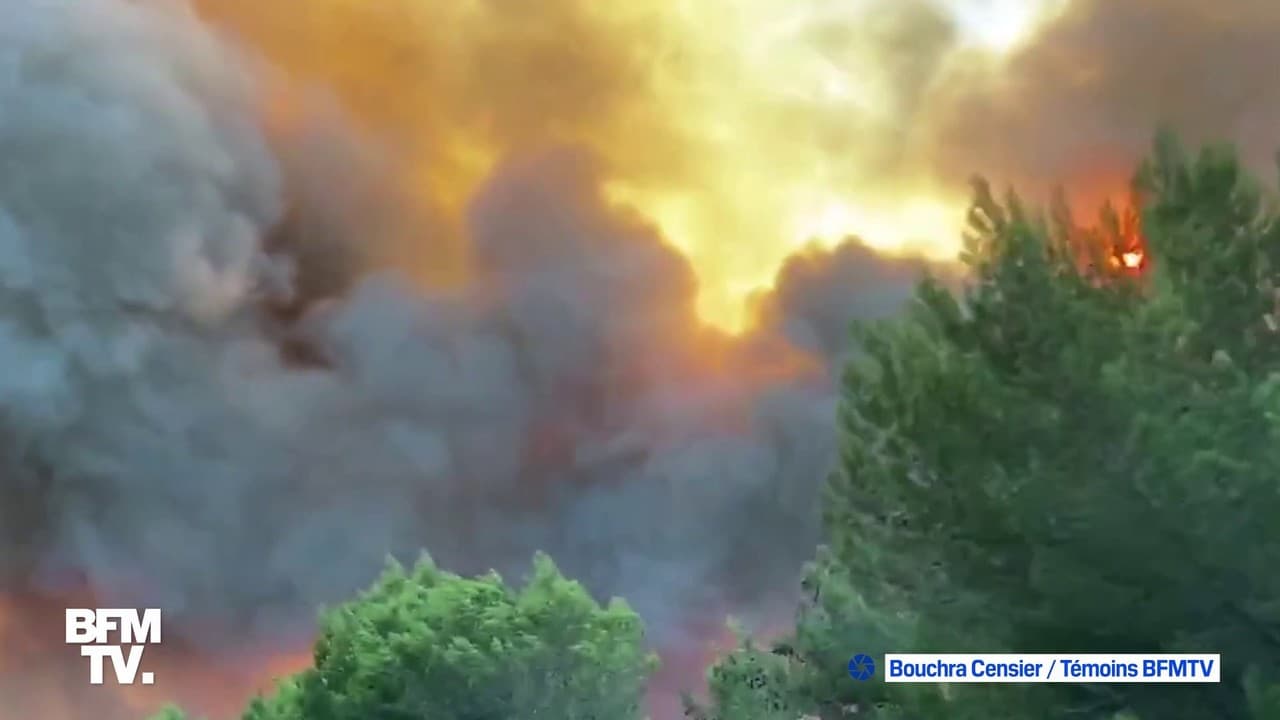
[161, 441]
[1078, 104]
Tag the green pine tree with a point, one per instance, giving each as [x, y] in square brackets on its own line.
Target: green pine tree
[425, 644]
[1069, 457]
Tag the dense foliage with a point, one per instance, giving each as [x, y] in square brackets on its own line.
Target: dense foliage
[1070, 457]
[425, 643]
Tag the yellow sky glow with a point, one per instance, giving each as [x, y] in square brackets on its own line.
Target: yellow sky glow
[775, 98]
[744, 128]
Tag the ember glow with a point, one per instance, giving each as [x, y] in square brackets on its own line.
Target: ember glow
[1122, 236]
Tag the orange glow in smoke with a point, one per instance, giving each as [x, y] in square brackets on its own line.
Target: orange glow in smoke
[42, 677]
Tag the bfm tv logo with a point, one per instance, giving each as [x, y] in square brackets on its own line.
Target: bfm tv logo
[91, 630]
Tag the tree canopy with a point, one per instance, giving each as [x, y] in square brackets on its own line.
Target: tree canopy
[423, 644]
[1068, 457]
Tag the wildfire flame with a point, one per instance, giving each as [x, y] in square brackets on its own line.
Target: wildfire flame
[1120, 234]
[1132, 259]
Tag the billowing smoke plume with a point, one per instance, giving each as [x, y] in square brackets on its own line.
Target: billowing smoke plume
[219, 399]
[284, 290]
[1078, 104]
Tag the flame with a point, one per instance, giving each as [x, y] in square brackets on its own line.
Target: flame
[1120, 234]
[1130, 242]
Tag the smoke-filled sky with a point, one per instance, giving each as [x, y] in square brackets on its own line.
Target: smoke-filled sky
[744, 128]
[286, 287]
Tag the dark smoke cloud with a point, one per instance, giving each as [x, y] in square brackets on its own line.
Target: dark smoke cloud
[810, 304]
[1079, 104]
[454, 86]
[347, 211]
[162, 443]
